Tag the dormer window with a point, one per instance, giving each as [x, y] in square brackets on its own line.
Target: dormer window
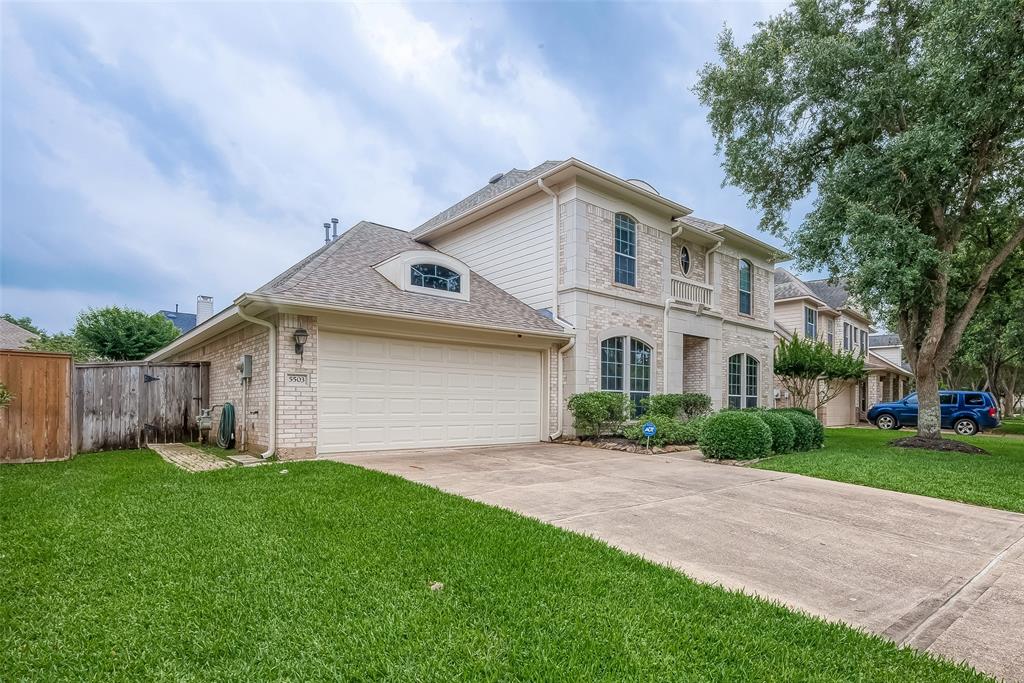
[434, 276]
[427, 272]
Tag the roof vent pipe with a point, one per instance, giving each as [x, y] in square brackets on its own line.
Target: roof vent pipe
[334, 222]
[327, 233]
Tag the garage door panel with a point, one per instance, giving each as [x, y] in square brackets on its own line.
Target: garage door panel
[389, 393]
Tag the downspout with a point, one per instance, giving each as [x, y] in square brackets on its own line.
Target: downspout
[272, 380]
[558, 241]
[561, 355]
[565, 348]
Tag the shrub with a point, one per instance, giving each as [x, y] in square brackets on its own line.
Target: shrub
[670, 430]
[735, 435]
[803, 427]
[691, 430]
[817, 437]
[783, 432]
[5, 396]
[678, 405]
[598, 412]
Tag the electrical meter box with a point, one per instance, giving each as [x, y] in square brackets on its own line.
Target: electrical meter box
[244, 366]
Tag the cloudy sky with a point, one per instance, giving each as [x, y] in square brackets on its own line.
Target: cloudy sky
[153, 152]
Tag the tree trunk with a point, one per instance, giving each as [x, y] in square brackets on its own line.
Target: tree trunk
[929, 414]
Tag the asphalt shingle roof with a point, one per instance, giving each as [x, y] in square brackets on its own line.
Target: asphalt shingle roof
[789, 286]
[341, 273]
[884, 340]
[509, 180]
[13, 336]
[832, 293]
[183, 321]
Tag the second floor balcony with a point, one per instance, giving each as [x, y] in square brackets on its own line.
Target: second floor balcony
[692, 292]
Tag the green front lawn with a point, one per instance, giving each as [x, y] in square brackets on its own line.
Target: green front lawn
[118, 566]
[862, 456]
[1012, 426]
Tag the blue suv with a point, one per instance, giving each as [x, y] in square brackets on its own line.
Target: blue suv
[965, 412]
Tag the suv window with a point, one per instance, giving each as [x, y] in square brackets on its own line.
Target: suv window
[947, 399]
[974, 400]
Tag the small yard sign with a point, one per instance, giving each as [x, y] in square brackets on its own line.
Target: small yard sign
[649, 429]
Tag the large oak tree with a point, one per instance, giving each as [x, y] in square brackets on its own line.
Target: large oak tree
[904, 120]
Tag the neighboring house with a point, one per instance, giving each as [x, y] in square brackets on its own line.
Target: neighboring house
[186, 321]
[477, 326]
[889, 347]
[824, 310]
[13, 336]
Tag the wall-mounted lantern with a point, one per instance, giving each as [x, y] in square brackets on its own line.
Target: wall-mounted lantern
[300, 336]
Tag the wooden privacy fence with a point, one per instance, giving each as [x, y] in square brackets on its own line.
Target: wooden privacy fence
[36, 426]
[132, 404]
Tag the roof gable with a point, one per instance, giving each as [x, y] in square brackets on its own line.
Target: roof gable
[342, 274]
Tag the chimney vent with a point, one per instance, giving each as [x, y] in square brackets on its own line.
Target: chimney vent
[334, 221]
[204, 309]
[327, 233]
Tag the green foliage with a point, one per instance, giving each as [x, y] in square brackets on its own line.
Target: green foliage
[678, 405]
[65, 343]
[599, 412]
[5, 396]
[813, 372]
[692, 429]
[735, 434]
[903, 119]
[123, 334]
[669, 430]
[23, 322]
[783, 432]
[803, 428]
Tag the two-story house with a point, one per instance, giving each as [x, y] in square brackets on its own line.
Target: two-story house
[475, 327]
[824, 310]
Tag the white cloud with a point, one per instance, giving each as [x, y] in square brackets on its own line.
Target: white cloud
[314, 111]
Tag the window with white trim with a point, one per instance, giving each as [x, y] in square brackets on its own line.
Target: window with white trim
[743, 380]
[745, 286]
[831, 327]
[810, 323]
[625, 250]
[631, 375]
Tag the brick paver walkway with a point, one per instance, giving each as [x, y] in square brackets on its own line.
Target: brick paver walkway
[188, 458]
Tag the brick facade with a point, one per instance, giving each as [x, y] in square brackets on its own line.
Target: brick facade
[601, 257]
[222, 353]
[695, 364]
[698, 260]
[296, 399]
[758, 343]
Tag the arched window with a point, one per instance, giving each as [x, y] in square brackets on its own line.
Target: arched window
[433, 276]
[632, 375]
[625, 250]
[743, 380]
[684, 260]
[745, 287]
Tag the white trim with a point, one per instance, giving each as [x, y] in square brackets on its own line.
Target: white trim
[398, 270]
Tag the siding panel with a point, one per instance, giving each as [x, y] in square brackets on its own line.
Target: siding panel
[514, 249]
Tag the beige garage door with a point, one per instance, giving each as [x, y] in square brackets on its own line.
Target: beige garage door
[840, 409]
[383, 393]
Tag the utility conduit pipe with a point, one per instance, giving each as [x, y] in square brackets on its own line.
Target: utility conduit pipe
[271, 380]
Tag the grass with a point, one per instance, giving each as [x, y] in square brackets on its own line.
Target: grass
[1011, 426]
[862, 456]
[117, 566]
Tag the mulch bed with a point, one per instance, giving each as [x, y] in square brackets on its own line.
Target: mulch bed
[944, 445]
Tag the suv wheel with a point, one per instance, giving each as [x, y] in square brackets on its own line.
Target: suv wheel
[887, 421]
[966, 427]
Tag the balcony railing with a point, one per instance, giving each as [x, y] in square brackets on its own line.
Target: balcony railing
[691, 292]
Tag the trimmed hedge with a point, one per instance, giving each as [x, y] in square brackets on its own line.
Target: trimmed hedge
[678, 405]
[803, 426]
[692, 429]
[736, 435]
[599, 412]
[783, 431]
[669, 430]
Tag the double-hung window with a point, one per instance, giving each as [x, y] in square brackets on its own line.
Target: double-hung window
[863, 342]
[632, 374]
[847, 344]
[625, 250]
[743, 381]
[745, 287]
[810, 323]
[831, 327]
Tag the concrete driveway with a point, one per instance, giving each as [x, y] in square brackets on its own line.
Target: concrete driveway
[940, 576]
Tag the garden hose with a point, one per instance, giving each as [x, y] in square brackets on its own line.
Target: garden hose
[226, 430]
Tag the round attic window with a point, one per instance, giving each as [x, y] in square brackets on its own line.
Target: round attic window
[684, 260]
